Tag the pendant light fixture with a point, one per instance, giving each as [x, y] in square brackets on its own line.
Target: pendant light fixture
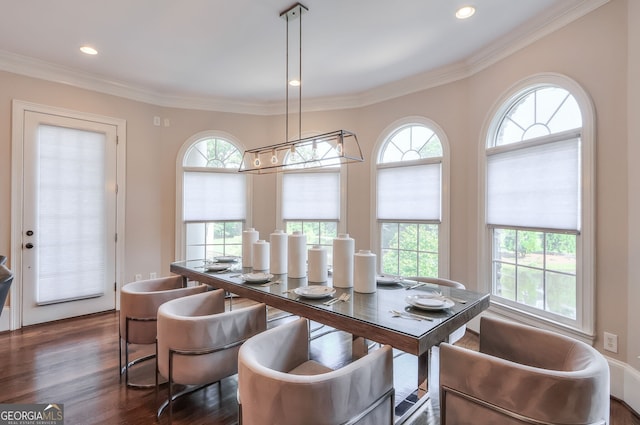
[328, 149]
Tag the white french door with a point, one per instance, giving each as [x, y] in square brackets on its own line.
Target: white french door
[69, 217]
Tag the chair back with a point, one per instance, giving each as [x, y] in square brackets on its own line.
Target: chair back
[140, 301]
[276, 385]
[438, 281]
[523, 375]
[205, 337]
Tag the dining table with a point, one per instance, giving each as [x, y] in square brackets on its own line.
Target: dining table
[394, 314]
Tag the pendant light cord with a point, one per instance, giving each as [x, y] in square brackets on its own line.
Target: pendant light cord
[286, 84]
[300, 78]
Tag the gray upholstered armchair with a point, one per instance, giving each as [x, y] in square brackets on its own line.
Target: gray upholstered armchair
[139, 303]
[198, 341]
[279, 384]
[523, 375]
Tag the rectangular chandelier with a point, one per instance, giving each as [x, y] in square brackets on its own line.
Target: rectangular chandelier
[324, 150]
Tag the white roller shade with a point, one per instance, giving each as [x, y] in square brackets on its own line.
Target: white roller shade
[410, 193]
[72, 214]
[214, 196]
[537, 186]
[311, 196]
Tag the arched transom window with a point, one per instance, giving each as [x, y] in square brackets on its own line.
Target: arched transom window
[409, 201]
[214, 204]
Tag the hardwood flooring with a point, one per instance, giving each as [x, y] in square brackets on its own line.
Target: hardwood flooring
[75, 362]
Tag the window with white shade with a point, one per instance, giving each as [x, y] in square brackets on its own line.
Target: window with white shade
[312, 198]
[410, 175]
[538, 213]
[213, 204]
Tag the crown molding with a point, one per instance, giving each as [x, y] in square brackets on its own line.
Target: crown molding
[35, 68]
[517, 40]
[525, 35]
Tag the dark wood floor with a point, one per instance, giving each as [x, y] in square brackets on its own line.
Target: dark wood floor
[74, 362]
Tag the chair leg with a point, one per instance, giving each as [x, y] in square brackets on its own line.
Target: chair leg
[170, 397]
[120, 356]
[127, 364]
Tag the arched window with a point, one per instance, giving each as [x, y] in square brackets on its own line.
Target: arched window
[412, 230]
[312, 199]
[212, 198]
[538, 157]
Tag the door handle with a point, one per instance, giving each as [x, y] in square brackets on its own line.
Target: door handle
[29, 245]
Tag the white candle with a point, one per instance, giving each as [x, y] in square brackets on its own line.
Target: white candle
[318, 264]
[260, 255]
[343, 250]
[364, 272]
[278, 261]
[249, 236]
[297, 255]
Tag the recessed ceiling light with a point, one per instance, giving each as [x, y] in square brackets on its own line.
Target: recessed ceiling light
[294, 83]
[465, 12]
[88, 50]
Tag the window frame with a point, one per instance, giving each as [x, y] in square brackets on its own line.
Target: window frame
[180, 229]
[583, 328]
[444, 225]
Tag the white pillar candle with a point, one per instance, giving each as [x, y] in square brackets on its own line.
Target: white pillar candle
[260, 255]
[364, 272]
[278, 260]
[317, 264]
[249, 236]
[343, 250]
[297, 255]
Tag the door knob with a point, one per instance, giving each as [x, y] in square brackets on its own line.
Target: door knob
[29, 245]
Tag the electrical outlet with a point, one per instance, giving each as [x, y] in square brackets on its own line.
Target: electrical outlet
[153, 275]
[138, 277]
[611, 342]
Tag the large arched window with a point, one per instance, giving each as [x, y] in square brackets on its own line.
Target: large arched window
[411, 205]
[538, 165]
[212, 198]
[312, 199]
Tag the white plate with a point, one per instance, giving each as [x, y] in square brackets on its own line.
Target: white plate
[429, 302]
[216, 267]
[315, 291]
[387, 280]
[257, 277]
[226, 259]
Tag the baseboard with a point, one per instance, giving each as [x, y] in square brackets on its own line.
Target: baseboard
[5, 319]
[625, 383]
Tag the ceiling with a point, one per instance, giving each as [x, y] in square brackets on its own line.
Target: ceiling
[231, 54]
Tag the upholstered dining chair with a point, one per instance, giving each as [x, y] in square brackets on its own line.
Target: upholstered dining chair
[6, 277]
[139, 303]
[458, 333]
[198, 341]
[279, 384]
[523, 375]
